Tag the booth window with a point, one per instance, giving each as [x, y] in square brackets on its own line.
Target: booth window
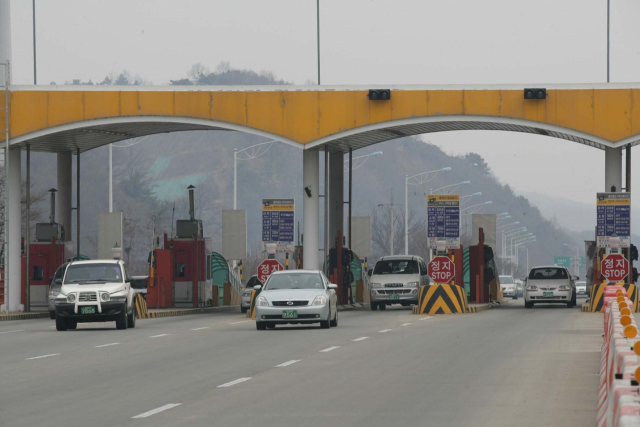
[179, 269]
[38, 272]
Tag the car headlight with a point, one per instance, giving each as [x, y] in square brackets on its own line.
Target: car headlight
[53, 293]
[105, 297]
[320, 300]
[564, 288]
[532, 288]
[262, 301]
[71, 298]
[412, 284]
[376, 285]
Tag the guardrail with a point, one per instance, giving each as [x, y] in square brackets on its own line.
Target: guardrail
[618, 391]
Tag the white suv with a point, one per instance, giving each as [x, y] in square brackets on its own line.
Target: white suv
[95, 291]
[549, 285]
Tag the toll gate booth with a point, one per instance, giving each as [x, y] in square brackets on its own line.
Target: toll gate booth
[48, 252]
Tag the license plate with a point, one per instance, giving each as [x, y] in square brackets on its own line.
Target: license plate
[290, 314]
[88, 310]
[547, 294]
[394, 296]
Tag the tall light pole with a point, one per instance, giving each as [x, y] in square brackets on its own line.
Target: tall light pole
[127, 144]
[418, 179]
[576, 267]
[502, 229]
[360, 160]
[448, 189]
[472, 210]
[318, 28]
[35, 74]
[248, 153]
[608, 37]
[466, 199]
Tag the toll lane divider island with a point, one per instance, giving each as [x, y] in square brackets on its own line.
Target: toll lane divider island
[142, 312]
[618, 395]
[443, 299]
[601, 290]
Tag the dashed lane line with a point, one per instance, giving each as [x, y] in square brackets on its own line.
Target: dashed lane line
[326, 350]
[405, 324]
[244, 321]
[157, 410]
[10, 332]
[42, 357]
[386, 330]
[158, 336]
[360, 339]
[232, 383]
[426, 318]
[290, 362]
[106, 345]
[199, 329]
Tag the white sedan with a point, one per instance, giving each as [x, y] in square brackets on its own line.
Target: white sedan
[296, 297]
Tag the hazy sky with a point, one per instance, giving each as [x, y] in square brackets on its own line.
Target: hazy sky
[362, 42]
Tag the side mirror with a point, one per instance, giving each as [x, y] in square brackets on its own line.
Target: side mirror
[370, 272]
[257, 287]
[57, 282]
[332, 286]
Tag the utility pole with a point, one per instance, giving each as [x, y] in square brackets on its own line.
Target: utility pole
[391, 208]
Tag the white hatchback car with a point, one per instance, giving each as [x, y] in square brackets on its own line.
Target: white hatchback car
[552, 284]
[509, 288]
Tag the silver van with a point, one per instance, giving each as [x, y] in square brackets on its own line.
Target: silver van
[396, 280]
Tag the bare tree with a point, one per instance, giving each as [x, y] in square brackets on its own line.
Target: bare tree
[381, 231]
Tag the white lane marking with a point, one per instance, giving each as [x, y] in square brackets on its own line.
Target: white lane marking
[106, 345]
[405, 324]
[238, 381]
[199, 329]
[426, 318]
[386, 330]
[326, 350]
[290, 362]
[360, 339]
[244, 321]
[10, 332]
[155, 411]
[52, 326]
[158, 336]
[42, 357]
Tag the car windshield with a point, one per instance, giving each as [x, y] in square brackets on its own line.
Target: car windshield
[294, 281]
[506, 280]
[396, 266]
[548, 274]
[92, 273]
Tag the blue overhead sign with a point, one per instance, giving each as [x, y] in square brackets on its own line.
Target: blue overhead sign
[443, 220]
[278, 223]
[614, 217]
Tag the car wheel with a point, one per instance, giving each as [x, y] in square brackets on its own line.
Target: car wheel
[244, 309]
[334, 322]
[574, 300]
[261, 326]
[121, 320]
[72, 324]
[374, 306]
[528, 304]
[52, 315]
[515, 296]
[61, 324]
[131, 319]
[383, 306]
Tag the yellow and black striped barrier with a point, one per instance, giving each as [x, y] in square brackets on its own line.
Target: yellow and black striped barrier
[596, 296]
[140, 305]
[442, 299]
[251, 313]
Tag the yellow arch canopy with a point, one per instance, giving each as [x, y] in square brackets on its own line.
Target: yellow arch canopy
[67, 118]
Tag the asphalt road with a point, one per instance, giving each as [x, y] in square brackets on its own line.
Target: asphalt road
[504, 367]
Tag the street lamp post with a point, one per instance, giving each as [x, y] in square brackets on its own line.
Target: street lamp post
[448, 189]
[357, 160]
[128, 144]
[472, 210]
[249, 153]
[418, 179]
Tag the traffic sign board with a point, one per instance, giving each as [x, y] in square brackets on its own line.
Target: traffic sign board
[441, 269]
[443, 220]
[615, 267]
[278, 223]
[614, 217]
[562, 261]
[266, 268]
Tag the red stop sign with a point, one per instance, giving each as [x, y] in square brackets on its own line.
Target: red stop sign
[267, 267]
[614, 267]
[441, 269]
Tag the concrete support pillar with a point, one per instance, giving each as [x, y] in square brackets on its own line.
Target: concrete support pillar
[63, 208]
[336, 196]
[5, 36]
[15, 230]
[613, 168]
[311, 207]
